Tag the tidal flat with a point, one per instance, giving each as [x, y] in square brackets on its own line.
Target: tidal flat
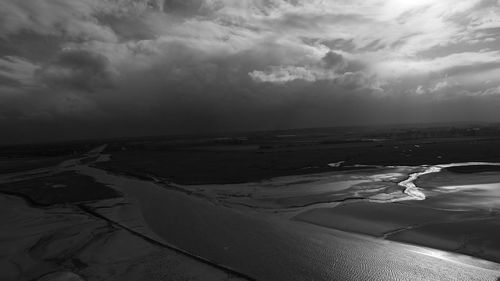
[304, 208]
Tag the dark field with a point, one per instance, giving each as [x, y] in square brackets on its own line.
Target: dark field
[258, 156]
[65, 187]
[18, 158]
[18, 164]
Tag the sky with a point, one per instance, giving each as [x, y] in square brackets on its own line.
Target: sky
[103, 68]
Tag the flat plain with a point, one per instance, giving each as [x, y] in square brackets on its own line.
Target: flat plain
[276, 199]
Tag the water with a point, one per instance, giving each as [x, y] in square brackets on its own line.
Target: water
[268, 248]
[416, 193]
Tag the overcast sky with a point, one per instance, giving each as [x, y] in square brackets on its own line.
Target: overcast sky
[92, 68]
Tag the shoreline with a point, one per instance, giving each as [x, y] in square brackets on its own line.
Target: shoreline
[232, 247]
[178, 195]
[425, 219]
[416, 192]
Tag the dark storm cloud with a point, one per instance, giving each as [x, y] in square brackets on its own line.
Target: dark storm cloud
[74, 19]
[79, 70]
[334, 60]
[7, 81]
[315, 21]
[85, 68]
[183, 7]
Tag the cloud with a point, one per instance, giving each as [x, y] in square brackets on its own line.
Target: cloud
[287, 74]
[491, 91]
[334, 60]
[15, 71]
[187, 66]
[331, 66]
[75, 19]
[451, 64]
[77, 69]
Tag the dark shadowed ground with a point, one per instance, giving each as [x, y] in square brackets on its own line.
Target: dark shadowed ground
[257, 156]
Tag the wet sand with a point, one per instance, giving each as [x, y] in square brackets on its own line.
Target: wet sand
[472, 237]
[449, 178]
[64, 243]
[299, 193]
[57, 224]
[459, 212]
[380, 219]
[268, 248]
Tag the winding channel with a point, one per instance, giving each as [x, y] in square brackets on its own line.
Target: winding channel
[269, 248]
[416, 193]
